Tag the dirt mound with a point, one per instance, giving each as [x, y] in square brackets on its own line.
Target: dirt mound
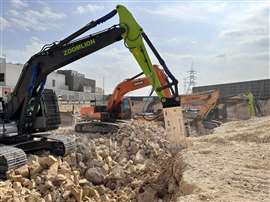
[232, 164]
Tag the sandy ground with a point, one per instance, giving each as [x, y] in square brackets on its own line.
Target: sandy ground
[232, 164]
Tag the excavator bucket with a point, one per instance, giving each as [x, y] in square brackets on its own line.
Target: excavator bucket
[175, 128]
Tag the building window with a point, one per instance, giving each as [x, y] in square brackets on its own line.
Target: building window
[53, 83]
[2, 77]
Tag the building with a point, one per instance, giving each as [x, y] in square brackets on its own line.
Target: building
[77, 81]
[9, 73]
[99, 90]
[56, 81]
[67, 84]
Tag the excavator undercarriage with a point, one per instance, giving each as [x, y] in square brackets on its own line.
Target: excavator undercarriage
[15, 146]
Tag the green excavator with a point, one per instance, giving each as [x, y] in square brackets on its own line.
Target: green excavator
[31, 111]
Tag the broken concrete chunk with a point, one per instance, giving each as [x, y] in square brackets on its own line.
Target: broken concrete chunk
[23, 171]
[60, 177]
[91, 192]
[77, 193]
[17, 186]
[52, 171]
[48, 198]
[47, 161]
[95, 175]
[35, 168]
[66, 194]
[139, 158]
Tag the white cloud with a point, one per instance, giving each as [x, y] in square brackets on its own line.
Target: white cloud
[248, 25]
[89, 8]
[39, 20]
[3, 23]
[24, 54]
[19, 4]
[178, 12]
[194, 11]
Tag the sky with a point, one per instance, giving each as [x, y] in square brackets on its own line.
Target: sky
[223, 41]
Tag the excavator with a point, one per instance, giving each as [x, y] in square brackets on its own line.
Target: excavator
[200, 110]
[103, 119]
[31, 111]
[197, 107]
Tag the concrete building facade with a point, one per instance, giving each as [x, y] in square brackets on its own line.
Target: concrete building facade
[68, 84]
[56, 81]
[77, 81]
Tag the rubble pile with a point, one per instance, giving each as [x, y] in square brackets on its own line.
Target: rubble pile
[128, 165]
[132, 165]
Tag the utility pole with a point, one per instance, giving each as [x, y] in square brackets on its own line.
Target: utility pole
[190, 80]
[103, 90]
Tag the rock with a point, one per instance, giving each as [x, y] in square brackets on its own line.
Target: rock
[56, 195]
[139, 167]
[32, 198]
[68, 184]
[15, 199]
[134, 147]
[83, 182]
[38, 180]
[16, 178]
[139, 158]
[60, 178]
[47, 161]
[95, 176]
[125, 142]
[66, 194]
[106, 168]
[53, 171]
[27, 183]
[147, 194]
[109, 161]
[103, 153]
[23, 171]
[76, 175]
[35, 168]
[77, 193]
[101, 189]
[48, 198]
[91, 192]
[49, 185]
[17, 186]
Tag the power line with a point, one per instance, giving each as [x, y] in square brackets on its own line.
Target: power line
[190, 79]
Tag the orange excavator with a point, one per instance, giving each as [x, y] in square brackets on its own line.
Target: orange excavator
[107, 115]
[199, 109]
[196, 107]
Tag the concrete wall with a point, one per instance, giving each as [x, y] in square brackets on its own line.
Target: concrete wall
[77, 96]
[259, 88]
[2, 69]
[12, 73]
[77, 82]
[57, 79]
[265, 106]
